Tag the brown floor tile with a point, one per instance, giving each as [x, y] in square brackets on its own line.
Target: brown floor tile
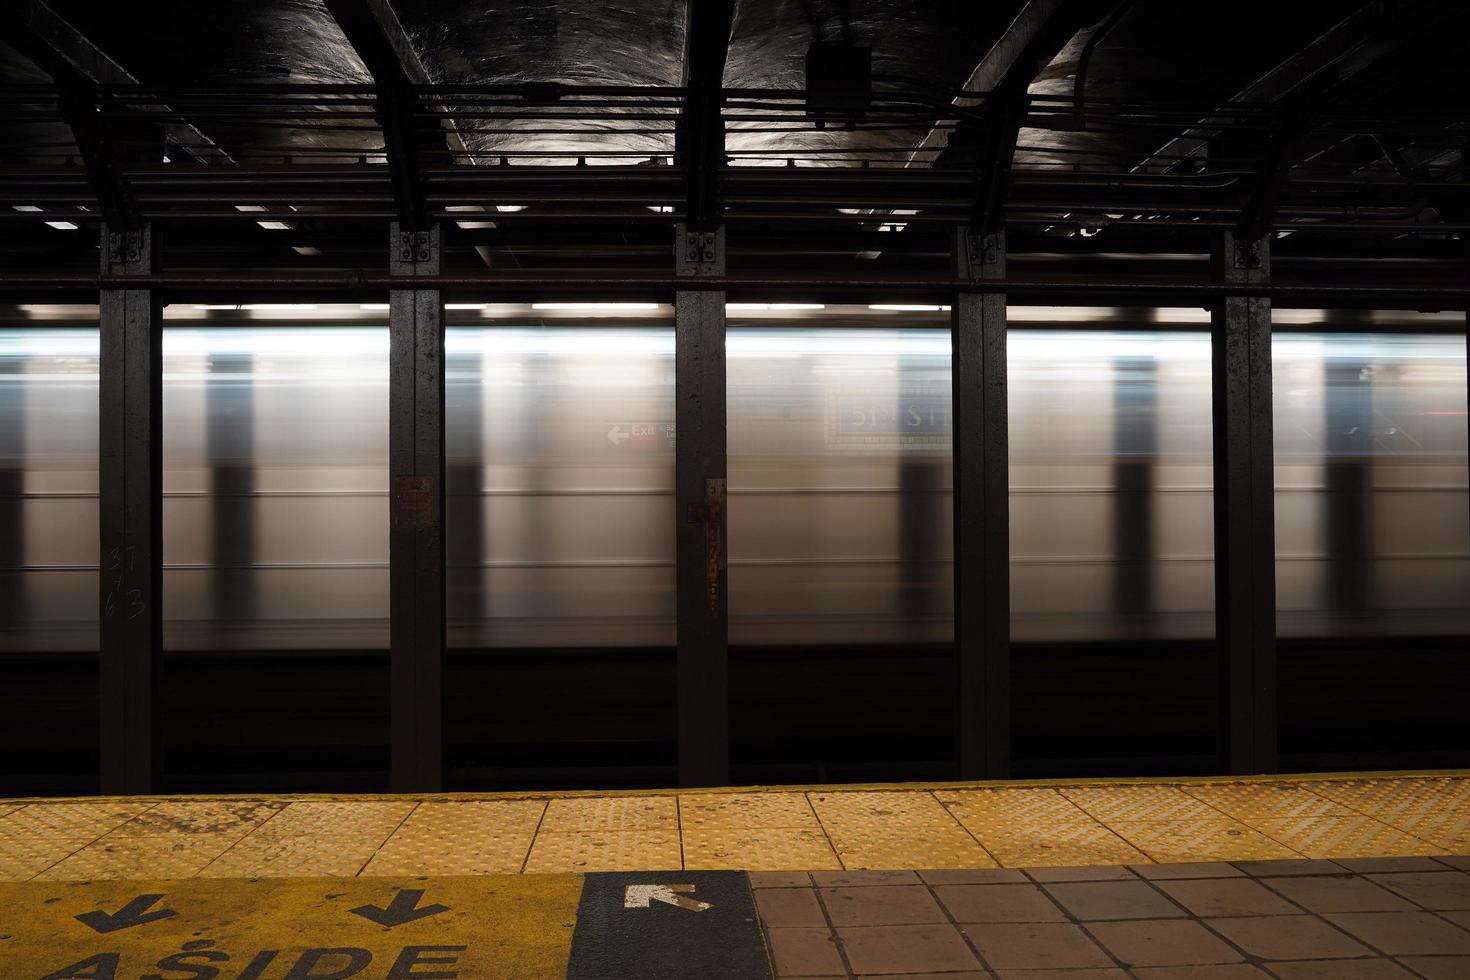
[974, 876]
[1461, 919]
[1269, 869]
[998, 903]
[1384, 865]
[1374, 969]
[1227, 896]
[1091, 900]
[1288, 937]
[1218, 971]
[789, 907]
[1162, 942]
[780, 879]
[1100, 974]
[1404, 933]
[1104, 873]
[882, 905]
[1039, 946]
[1437, 967]
[1460, 861]
[840, 879]
[1328, 893]
[1435, 890]
[799, 952]
[1193, 869]
[906, 949]
[962, 975]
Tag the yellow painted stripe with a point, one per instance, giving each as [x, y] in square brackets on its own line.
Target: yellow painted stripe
[504, 926]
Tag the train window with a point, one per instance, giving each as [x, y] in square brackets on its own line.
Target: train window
[839, 469]
[560, 477]
[1372, 533]
[49, 481]
[275, 483]
[1110, 478]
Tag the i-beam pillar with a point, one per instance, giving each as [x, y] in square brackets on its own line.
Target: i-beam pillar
[701, 540]
[130, 511]
[1245, 533]
[982, 591]
[416, 539]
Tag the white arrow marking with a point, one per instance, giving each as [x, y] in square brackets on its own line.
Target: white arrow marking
[616, 435]
[638, 897]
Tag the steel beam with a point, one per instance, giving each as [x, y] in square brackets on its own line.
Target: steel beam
[1245, 534]
[131, 512]
[416, 539]
[378, 37]
[699, 133]
[1350, 47]
[982, 510]
[701, 549]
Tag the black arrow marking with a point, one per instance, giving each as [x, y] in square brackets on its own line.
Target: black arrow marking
[135, 913]
[402, 909]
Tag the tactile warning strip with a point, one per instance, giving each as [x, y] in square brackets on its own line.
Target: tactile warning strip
[1058, 825]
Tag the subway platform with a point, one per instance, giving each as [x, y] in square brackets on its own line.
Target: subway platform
[1309, 876]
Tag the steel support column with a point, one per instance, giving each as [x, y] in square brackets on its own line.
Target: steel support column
[982, 511]
[701, 558]
[1245, 533]
[131, 512]
[416, 541]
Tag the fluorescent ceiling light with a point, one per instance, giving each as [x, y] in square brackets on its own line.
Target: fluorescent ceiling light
[372, 306]
[907, 308]
[62, 225]
[306, 250]
[464, 306]
[510, 207]
[596, 307]
[775, 306]
[662, 208]
[27, 208]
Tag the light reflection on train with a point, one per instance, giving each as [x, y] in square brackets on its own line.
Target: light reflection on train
[560, 514]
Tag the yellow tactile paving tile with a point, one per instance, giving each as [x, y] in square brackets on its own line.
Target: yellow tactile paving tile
[1050, 843]
[341, 818]
[880, 848]
[113, 857]
[759, 849]
[501, 854]
[486, 837]
[882, 808]
[294, 857]
[1448, 832]
[737, 811]
[1137, 803]
[582, 814]
[1008, 810]
[237, 817]
[617, 850]
[1266, 801]
[6, 808]
[1183, 841]
[1345, 837]
[1381, 796]
[35, 837]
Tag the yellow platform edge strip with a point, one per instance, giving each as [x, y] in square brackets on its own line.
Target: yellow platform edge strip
[927, 786]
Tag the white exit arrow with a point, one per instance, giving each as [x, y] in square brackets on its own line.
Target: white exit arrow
[638, 897]
[616, 435]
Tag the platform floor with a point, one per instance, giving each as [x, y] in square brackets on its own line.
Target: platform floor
[1327, 877]
[1003, 825]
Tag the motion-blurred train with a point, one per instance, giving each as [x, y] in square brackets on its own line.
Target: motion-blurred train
[560, 441]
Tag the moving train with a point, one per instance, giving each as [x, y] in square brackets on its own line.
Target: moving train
[560, 442]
